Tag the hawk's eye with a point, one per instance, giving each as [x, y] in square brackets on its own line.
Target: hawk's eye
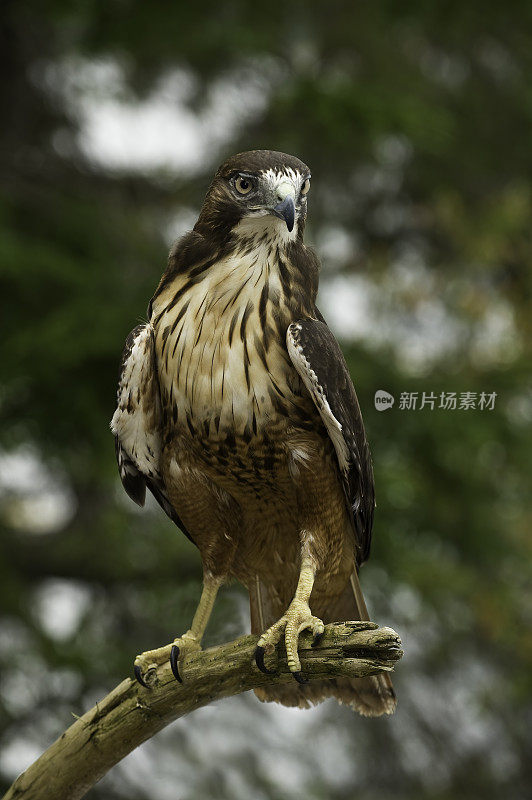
[243, 185]
[305, 187]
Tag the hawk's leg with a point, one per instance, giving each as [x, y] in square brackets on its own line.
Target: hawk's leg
[297, 618]
[190, 642]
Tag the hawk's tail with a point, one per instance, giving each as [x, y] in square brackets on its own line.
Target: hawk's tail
[371, 696]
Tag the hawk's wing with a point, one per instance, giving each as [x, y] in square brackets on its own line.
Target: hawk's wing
[317, 357]
[137, 422]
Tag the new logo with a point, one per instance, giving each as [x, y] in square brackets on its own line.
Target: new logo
[383, 400]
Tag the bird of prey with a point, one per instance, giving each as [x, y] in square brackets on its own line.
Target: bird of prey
[236, 410]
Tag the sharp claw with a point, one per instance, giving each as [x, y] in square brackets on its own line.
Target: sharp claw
[174, 662]
[317, 639]
[259, 661]
[138, 676]
[299, 678]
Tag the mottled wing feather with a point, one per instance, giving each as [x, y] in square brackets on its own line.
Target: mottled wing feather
[133, 481]
[319, 361]
[136, 422]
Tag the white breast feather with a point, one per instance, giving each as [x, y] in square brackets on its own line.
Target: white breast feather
[208, 362]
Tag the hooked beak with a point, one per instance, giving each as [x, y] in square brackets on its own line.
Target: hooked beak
[286, 210]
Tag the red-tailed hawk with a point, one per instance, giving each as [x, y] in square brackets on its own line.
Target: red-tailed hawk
[236, 410]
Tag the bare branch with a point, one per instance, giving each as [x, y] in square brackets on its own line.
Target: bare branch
[130, 714]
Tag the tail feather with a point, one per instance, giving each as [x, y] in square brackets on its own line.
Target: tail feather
[371, 696]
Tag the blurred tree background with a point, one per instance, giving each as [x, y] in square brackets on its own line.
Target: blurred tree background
[415, 119]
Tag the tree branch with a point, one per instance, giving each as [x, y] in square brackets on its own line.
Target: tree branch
[130, 714]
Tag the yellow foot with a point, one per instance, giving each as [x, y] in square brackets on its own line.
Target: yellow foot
[297, 618]
[146, 664]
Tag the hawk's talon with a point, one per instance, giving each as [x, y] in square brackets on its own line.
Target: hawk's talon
[296, 619]
[299, 678]
[147, 664]
[259, 661]
[138, 675]
[317, 638]
[174, 662]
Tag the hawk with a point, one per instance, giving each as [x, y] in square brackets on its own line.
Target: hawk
[236, 410]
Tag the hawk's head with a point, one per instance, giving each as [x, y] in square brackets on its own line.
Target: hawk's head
[258, 189]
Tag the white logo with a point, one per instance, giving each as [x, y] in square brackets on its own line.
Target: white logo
[383, 400]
